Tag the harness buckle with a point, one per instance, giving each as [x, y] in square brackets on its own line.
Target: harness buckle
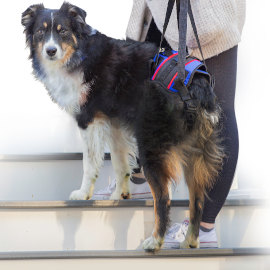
[190, 106]
[190, 111]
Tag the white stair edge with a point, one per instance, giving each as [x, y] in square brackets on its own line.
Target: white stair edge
[120, 203]
[31, 255]
[44, 157]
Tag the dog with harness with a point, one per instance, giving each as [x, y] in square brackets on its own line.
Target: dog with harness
[168, 118]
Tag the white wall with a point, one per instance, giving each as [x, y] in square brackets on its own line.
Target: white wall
[31, 123]
[253, 97]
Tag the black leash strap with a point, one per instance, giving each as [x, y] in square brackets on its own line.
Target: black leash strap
[190, 14]
[182, 7]
[166, 22]
[182, 10]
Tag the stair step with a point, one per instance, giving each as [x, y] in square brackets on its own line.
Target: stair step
[167, 253]
[45, 157]
[112, 203]
[54, 176]
[226, 259]
[117, 225]
[45, 179]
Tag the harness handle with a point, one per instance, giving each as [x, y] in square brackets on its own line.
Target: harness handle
[192, 21]
[183, 8]
[166, 22]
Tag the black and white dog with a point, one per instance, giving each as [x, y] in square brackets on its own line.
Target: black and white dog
[105, 85]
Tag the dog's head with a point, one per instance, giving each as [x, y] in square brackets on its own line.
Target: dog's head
[54, 35]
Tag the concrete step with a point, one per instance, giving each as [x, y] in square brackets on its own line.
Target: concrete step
[226, 259]
[117, 225]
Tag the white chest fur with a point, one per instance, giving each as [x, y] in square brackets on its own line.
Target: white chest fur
[65, 88]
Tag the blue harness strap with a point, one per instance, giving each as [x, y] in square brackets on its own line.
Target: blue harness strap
[167, 72]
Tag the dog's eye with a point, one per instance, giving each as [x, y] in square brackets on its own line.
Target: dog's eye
[40, 32]
[63, 31]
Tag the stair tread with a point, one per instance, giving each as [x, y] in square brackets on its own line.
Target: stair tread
[24, 255]
[45, 157]
[111, 203]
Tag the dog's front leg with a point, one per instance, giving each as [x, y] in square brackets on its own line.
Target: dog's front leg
[121, 145]
[93, 152]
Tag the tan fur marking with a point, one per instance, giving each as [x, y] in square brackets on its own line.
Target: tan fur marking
[83, 98]
[45, 24]
[157, 217]
[100, 115]
[39, 50]
[59, 27]
[69, 50]
[75, 39]
[173, 161]
[156, 227]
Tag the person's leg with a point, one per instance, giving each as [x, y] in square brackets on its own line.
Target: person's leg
[224, 68]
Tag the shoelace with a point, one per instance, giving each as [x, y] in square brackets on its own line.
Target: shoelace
[178, 229]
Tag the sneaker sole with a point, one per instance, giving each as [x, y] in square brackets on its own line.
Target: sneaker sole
[208, 245]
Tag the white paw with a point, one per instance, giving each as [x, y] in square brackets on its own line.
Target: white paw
[190, 244]
[184, 244]
[152, 244]
[79, 195]
[116, 195]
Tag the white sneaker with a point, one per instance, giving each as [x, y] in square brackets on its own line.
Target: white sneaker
[208, 239]
[177, 233]
[138, 191]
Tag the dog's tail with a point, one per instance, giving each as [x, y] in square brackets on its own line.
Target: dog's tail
[200, 155]
[208, 153]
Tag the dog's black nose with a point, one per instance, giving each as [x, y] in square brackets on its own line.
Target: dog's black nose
[51, 51]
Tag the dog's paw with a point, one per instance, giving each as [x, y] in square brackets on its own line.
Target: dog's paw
[152, 244]
[125, 196]
[116, 195]
[79, 195]
[190, 244]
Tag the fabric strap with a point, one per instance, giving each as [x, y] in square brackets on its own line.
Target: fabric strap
[183, 8]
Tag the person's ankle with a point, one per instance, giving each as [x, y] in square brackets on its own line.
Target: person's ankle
[208, 226]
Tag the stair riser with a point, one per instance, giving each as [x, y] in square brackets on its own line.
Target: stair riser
[211, 263]
[53, 180]
[45, 180]
[118, 228]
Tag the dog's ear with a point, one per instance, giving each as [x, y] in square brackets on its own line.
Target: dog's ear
[75, 12]
[28, 19]
[28, 16]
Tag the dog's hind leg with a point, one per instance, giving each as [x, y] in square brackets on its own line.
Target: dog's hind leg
[159, 187]
[159, 180]
[93, 153]
[123, 147]
[196, 203]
